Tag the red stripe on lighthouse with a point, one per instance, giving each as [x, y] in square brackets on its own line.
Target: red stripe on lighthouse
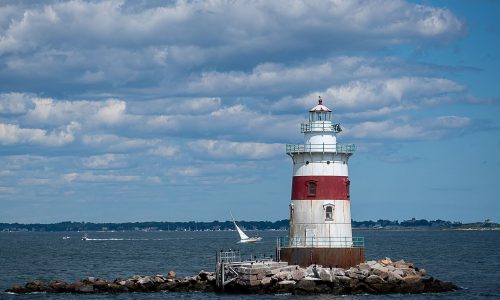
[326, 187]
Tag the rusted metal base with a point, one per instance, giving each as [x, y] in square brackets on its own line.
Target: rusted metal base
[334, 257]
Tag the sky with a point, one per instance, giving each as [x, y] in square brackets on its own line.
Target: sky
[117, 111]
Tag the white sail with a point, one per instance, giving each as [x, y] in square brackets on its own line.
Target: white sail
[243, 236]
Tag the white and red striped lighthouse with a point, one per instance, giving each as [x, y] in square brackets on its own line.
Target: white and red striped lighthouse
[320, 211]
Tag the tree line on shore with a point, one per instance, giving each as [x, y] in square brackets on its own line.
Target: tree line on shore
[228, 225]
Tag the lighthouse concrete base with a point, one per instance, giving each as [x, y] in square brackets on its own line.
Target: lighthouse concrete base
[327, 257]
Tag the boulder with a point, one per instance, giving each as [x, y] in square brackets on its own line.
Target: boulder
[80, 287]
[286, 282]
[383, 274]
[379, 267]
[343, 279]
[298, 274]
[413, 284]
[338, 272]
[36, 286]
[171, 274]
[364, 266]
[89, 280]
[280, 276]
[204, 275]
[57, 286]
[371, 262]
[394, 278]
[373, 279]
[305, 285]
[325, 275]
[266, 281]
[386, 261]
[422, 272]
[352, 274]
[17, 289]
[398, 272]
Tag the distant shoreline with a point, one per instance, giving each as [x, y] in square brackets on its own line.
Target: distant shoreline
[281, 225]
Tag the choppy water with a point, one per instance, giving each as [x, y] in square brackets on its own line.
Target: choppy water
[469, 259]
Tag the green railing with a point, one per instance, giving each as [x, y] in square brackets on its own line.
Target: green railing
[320, 126]
[321, 242]
[302, 148]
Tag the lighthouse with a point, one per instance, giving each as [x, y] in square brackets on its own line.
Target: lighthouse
[320, 229]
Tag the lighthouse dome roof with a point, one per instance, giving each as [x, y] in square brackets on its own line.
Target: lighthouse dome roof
[320, 106]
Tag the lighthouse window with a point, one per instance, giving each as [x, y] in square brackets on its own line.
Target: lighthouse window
[329, 213]
[312, 188]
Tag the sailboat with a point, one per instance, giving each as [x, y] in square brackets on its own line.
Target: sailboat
[243, 237]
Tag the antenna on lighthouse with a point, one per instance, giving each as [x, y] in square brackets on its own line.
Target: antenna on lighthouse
[320, 101]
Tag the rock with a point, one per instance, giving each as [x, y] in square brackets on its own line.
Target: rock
[409, 272]
[338, 272]
[266, 281]
[286, 282]
[352, 274]
[146, 280]
[130, 284]
[343, 279]
[373, 279]
[398, 272]
[298, 274]
[325, 275]
[379, 267]
[18, 289]
[394, 278]
[306, 285]
[89, 280]
[386, 261]
[204, 275]
[57, 286]
[384, 275]
[36, 286]
[400, 264]
[80, 287]
[171, 274]
[371, 262]
[364, 266]
[413, 284]
[280, 276]
[422, 272]
[101, 285]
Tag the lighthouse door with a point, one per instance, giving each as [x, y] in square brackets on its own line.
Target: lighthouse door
[310, 236]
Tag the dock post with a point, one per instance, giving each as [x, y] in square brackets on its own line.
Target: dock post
[222, 268]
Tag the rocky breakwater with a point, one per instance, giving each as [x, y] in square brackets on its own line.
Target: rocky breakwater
[374, 277]
[204, 281]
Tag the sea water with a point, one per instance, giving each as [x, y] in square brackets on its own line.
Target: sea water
[470, 259]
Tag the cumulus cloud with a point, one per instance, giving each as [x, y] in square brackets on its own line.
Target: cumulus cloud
[11, 134]
[125, 44]
[227, 149]
[104, 161]
[165, 151]
[14, 103]
[410, 129]
[111, 142]
[92, 177]
[379, 96]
